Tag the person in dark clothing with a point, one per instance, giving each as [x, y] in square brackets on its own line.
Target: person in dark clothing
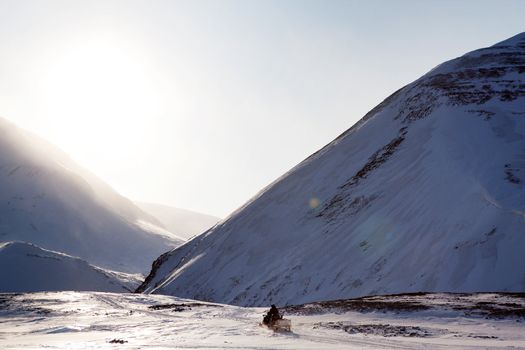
[272, 316]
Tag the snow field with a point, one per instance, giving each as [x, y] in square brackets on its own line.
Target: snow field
[92, 320]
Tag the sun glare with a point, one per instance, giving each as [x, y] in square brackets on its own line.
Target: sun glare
[100, 93]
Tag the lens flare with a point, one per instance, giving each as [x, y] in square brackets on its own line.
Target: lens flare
[313, 203]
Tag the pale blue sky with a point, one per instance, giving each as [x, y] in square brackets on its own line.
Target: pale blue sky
[200, 104]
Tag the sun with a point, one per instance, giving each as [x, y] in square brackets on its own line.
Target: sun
[99, 99]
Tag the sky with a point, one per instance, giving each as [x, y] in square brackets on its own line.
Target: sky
[201, 104]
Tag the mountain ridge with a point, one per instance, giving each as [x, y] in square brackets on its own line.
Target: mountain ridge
[422, 194]
[181, 222]
[49, 200]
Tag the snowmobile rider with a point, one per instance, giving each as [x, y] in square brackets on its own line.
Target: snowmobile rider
[272, 316]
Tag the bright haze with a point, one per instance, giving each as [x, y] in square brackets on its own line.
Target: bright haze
[200, 104]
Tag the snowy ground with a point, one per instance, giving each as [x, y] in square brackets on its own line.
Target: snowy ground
[91, 320]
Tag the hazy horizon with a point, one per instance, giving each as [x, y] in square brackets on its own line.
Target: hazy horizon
[201, 104]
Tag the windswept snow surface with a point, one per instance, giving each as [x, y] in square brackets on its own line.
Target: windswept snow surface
[49, 200]
[72, 320]
[425, 193]
[29, 268]
[181, 222]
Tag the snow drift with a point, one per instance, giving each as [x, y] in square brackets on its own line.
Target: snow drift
[424, 193]
[29, 268]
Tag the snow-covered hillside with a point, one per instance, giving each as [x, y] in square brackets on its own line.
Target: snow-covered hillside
[69, 320]
[48, 200]
[29, 268]
[424, 193]
[183, 223]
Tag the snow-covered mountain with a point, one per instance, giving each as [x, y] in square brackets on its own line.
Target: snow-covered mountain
[424, 193]
[48, 200]
[29, 268]
[183, 223]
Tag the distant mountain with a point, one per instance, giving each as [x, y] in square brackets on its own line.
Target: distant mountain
[48, 200]
[425, 193]
[181, 222]
[26, 267]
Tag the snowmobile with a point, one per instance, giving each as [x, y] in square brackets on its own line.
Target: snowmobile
[275, 321]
